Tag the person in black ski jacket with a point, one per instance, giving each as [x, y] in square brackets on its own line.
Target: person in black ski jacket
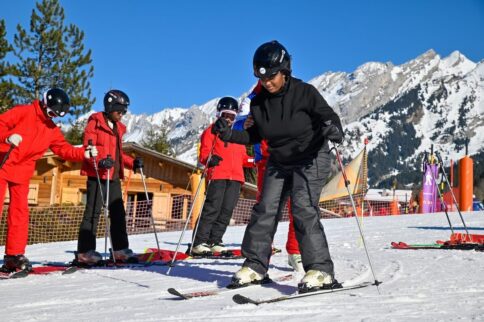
[297, 123]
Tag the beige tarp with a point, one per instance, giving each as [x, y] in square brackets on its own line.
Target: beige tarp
[355, 171]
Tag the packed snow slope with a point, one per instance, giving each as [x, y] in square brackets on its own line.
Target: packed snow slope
[418, 285]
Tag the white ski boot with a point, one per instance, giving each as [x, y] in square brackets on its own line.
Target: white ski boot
[295, 261]
[202, 249]
[246, 276]
[315, 280]
[218, 248]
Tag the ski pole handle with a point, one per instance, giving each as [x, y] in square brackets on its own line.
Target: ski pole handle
[89, 143]
[7, 155]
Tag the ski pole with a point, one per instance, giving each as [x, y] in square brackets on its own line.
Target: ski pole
[191, 209]
[151, 210]
[89, 142]
[451, 191]
[347, 184]
[5, 158]
[108, 164]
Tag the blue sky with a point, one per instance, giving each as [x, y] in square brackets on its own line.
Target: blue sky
[180, 53]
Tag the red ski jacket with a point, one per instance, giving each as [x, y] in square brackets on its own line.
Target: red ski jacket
[105, 141]
[39, 133]
[234, 157]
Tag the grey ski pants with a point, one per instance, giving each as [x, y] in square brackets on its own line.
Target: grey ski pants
[303, 183]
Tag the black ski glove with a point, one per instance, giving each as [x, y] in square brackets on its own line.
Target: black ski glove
[137, 164]
[214, 161]
[332, 133]
[222, 128]
[107, 163]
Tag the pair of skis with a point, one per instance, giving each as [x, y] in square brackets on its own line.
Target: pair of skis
[241, 299]
[37, 270]
[439, 245]
[149, 258]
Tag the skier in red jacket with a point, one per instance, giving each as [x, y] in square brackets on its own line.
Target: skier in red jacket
[26, 132]
[225, 176]
[105, 131]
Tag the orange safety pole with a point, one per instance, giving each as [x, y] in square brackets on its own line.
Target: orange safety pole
[466, 178]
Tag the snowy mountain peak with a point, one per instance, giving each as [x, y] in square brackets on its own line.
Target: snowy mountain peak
[429, 99]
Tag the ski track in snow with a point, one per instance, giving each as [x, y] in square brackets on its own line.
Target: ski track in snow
[418, 285]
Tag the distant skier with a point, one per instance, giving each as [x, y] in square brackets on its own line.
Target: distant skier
[226, 176]
[105, 130]
[297, 123]
[26, 132]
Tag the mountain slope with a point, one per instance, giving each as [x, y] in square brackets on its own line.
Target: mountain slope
[402, 109]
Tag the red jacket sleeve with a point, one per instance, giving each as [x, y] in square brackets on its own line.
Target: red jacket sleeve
[206, 144]
[62, 148]
[90, 132]
[8, 121]
[128, 161]
[249, 162]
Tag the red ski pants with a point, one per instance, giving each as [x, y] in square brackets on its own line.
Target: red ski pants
[292, 246]
[18, 216]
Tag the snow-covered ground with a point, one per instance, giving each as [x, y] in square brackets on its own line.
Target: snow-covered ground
[421, 285]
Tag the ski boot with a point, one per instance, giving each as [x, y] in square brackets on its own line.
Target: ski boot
[246, 276]
[218, 248]
[125, 255]
[295, 261]
[315, 280]
[202, 249]
[13, 263]
[88, 259]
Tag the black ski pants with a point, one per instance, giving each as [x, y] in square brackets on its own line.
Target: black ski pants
[221, 198]
[303, 182]
[117, 215]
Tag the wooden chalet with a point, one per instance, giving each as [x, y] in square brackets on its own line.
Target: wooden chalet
[169, 183]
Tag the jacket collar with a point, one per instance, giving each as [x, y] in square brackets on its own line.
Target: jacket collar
[39, 111]
[99, 117]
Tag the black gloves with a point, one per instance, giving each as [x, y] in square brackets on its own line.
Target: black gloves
[107, 163]
[137, 164]
[214, 161]
[332, 133]
[222, 128]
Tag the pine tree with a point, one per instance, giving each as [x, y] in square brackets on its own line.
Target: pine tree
[6, 85]
[75, 134]
[52, 54]
[157, 140]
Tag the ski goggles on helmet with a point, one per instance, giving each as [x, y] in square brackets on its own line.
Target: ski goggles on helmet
[266, 73]
[57, 110]
[228, 114]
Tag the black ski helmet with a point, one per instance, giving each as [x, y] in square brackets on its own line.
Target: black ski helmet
[116, 100]
[56, 102]
[228, 103]
[271, 58]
